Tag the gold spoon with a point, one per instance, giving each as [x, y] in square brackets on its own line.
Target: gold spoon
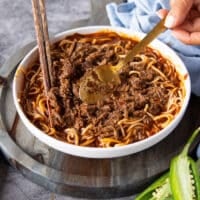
[92, 84]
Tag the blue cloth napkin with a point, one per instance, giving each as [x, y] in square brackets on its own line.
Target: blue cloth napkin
[140, 15]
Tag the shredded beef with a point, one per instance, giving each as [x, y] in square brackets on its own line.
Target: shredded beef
[135, 97]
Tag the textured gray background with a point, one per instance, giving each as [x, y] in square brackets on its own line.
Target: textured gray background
[16, 22]
[16, 30]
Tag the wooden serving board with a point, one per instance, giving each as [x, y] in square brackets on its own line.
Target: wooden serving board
[82, 177]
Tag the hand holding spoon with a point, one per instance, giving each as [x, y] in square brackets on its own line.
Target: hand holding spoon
[102, 76]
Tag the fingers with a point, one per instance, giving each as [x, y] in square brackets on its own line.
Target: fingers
[187, 37]
[190, 26]
[184, 20]
[178, 12]
[189, 31]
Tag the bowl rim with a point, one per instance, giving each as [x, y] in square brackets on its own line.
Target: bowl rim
[109, 152]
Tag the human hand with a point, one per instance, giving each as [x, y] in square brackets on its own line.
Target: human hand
[184, 20]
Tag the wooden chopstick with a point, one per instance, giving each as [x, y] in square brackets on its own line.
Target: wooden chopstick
[41, 29]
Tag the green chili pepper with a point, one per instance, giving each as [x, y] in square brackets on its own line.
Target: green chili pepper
[159, 190]
[184, 176]
[198, 165]
[181, 183]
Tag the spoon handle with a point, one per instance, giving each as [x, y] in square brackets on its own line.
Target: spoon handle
[145, 41]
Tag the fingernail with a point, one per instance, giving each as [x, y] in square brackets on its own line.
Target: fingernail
[169, 22]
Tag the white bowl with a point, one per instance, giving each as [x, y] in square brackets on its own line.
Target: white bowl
[92, 152]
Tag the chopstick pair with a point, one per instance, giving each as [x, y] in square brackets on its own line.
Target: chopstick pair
[41, 29]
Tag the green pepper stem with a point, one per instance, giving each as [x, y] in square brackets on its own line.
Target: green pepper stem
[191, 139]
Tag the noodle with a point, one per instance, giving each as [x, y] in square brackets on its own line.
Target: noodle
[148, 98]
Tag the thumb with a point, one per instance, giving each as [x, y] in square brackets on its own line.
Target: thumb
[178, 12]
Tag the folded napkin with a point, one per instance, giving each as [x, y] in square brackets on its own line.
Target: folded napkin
[140, 15]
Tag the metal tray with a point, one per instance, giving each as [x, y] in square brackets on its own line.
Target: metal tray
[76, 176]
